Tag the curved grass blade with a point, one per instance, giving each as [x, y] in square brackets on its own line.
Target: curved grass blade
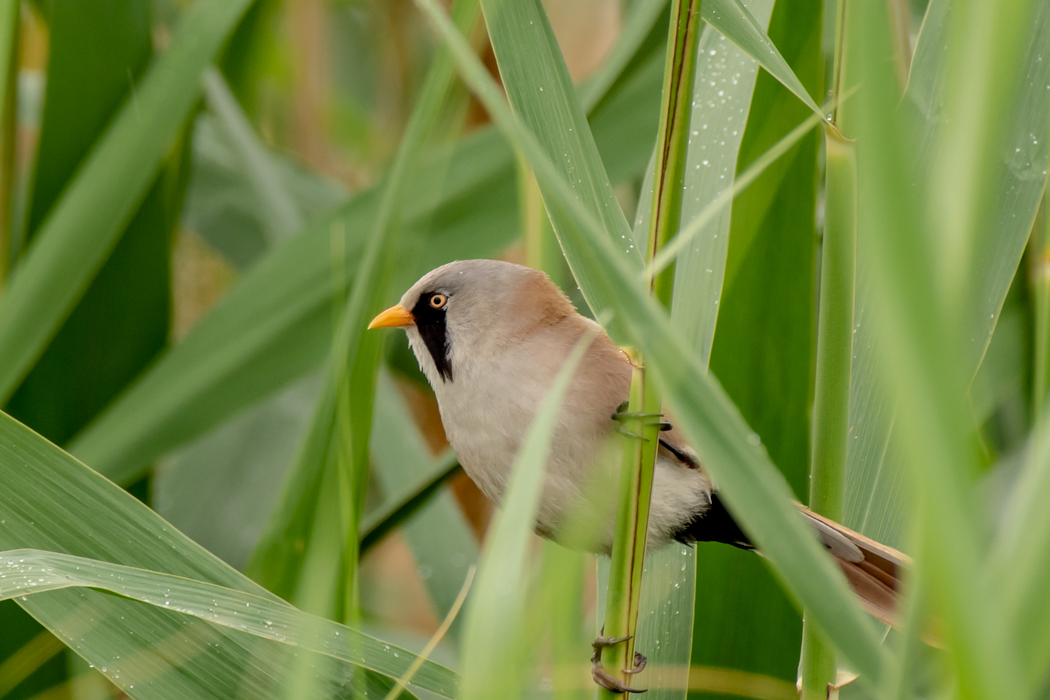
[923, 364]
[733, 20]
[53, 503]
[876, 497]
[30, 572]
[492, 651]
[337, 442]
[82, 228]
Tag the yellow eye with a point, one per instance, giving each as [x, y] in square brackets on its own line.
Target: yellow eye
[438, 301]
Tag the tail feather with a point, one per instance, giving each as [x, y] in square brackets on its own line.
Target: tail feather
[875, 576]
[873, 570]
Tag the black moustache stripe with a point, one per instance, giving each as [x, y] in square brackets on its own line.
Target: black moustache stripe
[431, 325]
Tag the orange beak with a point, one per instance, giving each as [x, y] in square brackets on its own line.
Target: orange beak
[393, 317]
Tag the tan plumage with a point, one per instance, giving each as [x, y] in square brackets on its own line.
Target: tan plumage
[490, 336]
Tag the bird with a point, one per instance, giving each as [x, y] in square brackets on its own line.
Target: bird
[490, 336]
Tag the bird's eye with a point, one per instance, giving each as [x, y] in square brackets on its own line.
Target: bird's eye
[438, 301]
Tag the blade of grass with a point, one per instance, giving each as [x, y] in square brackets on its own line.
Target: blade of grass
[722, 94]
[491, 653]
[733, 20]
[1021, 546]
[32, 572]
[981, 77]
[755, 491]
[53, 503]
[338, 438]
[677, 245]
[927, 375]
[877, 501]
[1021, 542]
[629, 537]
[96, 57]
[84, 225]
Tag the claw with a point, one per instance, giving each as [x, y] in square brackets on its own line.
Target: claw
[624, 431]
[602, 678]
[639, 664]
[608, 682]
[601, 642]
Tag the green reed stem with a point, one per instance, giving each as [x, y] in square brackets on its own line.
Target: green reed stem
[639, 457]
[832, 388]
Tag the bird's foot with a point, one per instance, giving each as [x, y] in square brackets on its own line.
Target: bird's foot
[602, 678]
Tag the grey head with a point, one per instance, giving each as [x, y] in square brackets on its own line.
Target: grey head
[465, 309]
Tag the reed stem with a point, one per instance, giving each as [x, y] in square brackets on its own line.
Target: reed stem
[639, 457]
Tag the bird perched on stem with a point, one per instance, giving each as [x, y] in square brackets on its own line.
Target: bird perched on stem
[490, 337]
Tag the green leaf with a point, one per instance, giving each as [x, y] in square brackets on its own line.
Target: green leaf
[94, 58]
[491, 652]
[83, 227]
[30, 572]
[665, 629]
[736, 23]
[53, 503]
[924, 366]
[336, 447]
[876, 499]
[753, 487]
[98, 52]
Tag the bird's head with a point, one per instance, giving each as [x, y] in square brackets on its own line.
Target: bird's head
[465, 309]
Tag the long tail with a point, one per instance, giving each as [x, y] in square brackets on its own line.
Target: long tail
[873, 570]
